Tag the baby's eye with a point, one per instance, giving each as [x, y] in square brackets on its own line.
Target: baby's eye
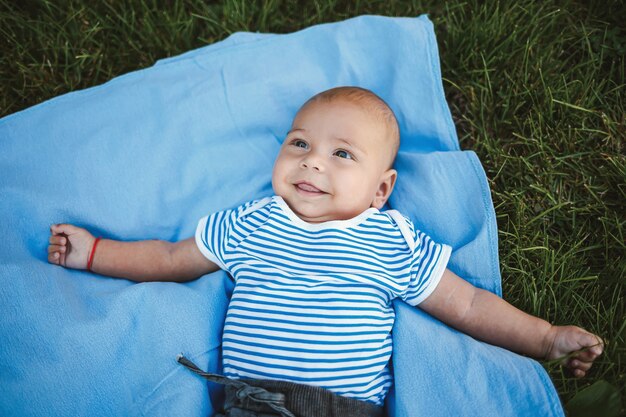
[300, 143]
[343, 154]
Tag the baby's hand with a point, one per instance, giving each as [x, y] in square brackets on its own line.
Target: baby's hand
[577, 347]
[69, 246]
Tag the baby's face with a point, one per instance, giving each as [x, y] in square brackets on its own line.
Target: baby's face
[334, 163]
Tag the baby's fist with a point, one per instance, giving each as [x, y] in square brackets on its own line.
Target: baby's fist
[69, 246]
[579, 347]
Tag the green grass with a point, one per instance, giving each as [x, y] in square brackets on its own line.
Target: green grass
[535, 88]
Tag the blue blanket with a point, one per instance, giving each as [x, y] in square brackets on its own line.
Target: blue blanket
[148, 153]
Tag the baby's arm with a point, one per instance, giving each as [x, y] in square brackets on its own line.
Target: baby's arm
[147, 260]
[487, 317]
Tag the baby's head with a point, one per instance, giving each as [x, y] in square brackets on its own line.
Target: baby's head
[337, 159]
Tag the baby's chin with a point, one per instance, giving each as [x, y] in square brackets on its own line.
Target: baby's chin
[310, 213]
[319, 211]
[319, 216]
[312, 216]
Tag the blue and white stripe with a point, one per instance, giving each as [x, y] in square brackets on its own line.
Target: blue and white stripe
[312, 302]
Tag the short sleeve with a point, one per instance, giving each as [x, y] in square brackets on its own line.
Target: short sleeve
[428, 265]
[214, 232]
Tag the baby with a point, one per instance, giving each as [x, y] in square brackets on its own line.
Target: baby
[317, 266]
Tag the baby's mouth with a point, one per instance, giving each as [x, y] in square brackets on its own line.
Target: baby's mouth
[309, 189]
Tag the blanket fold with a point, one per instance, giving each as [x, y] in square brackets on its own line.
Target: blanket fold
[147, 154]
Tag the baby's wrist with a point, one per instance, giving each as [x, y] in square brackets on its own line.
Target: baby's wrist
[91, 252]
[549, 341]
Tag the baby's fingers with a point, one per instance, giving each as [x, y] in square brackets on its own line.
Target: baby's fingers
[579, 368]
[590, 354]
[57, 240]
[583, 360]
[56, 254]
[54, 258]
[56, 248]
[64, 229]
[591, 342]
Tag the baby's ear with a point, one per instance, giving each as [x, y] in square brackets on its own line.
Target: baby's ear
[385, 187]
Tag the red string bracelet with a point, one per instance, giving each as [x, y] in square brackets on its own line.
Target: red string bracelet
[93, 251]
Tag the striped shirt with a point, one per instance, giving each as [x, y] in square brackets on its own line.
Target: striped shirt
[312, 303]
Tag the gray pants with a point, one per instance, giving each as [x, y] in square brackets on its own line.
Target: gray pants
[264, 398]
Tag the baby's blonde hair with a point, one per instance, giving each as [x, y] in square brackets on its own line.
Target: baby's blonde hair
[372, 103]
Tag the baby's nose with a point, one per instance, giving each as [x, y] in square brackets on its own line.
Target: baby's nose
[312, 162]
